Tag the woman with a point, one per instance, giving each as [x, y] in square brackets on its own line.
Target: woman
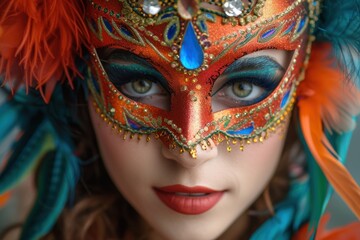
[192, 108]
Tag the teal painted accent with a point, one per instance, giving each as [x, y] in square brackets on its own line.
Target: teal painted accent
[191, 53]
[244, 131]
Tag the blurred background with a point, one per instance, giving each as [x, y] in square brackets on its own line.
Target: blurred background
[340, 213]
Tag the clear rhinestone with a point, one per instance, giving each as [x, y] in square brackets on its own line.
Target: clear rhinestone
[151, 6]
[233, 8]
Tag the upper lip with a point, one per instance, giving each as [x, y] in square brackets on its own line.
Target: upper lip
[185, 189]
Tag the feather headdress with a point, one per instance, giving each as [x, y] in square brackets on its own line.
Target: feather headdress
[327, 104]
[39, 41]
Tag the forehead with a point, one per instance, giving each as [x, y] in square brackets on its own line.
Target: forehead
[208, 39]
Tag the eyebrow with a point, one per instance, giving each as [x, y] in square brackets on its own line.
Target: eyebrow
[253, 63]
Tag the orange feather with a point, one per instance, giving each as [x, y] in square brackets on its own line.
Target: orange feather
[39, 42]
[348, 232]
[326, 100]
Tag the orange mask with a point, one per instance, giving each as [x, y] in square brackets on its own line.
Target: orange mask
[190, 46]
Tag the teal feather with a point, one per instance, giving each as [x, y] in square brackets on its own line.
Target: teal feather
[53, 189]
[339, 24]
[10, 118]
[290, 214]
[276, 227]
[25, 154]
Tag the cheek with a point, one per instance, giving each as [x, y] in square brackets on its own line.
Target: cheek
[125, 160]
[255, 166]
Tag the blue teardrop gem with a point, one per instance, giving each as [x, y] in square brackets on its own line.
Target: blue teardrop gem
[285, 99]
[244, 131]
[191, 53]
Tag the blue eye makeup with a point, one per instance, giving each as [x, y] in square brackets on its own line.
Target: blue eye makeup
[246, 82]
[136, 78]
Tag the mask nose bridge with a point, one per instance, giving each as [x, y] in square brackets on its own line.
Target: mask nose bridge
[191, 111]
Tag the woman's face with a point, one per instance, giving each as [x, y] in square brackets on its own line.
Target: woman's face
[185, 198]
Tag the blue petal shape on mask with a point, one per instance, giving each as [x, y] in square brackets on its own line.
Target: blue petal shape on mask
[301, 25]
[268, 33]
[285, 99]
[191, 53]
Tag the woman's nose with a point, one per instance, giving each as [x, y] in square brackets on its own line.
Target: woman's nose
[202, 153]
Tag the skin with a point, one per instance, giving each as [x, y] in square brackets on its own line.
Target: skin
[136, 166]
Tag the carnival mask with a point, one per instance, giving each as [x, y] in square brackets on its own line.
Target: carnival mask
[155, 65]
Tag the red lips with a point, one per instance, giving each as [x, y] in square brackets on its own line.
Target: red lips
[188, 200]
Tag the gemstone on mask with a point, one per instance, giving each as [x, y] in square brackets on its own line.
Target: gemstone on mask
[191, 53]
[233, 8]
[285, 99]
[151, 6]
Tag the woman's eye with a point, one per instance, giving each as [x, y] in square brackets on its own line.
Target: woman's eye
[135, 77]
[140, 88]
[248, 81]
[239, 93]
[146, 91]
[242, 89]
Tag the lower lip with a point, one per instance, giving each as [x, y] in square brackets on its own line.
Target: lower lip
[190, 205]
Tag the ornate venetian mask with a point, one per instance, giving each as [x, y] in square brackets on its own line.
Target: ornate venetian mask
[180, 71]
